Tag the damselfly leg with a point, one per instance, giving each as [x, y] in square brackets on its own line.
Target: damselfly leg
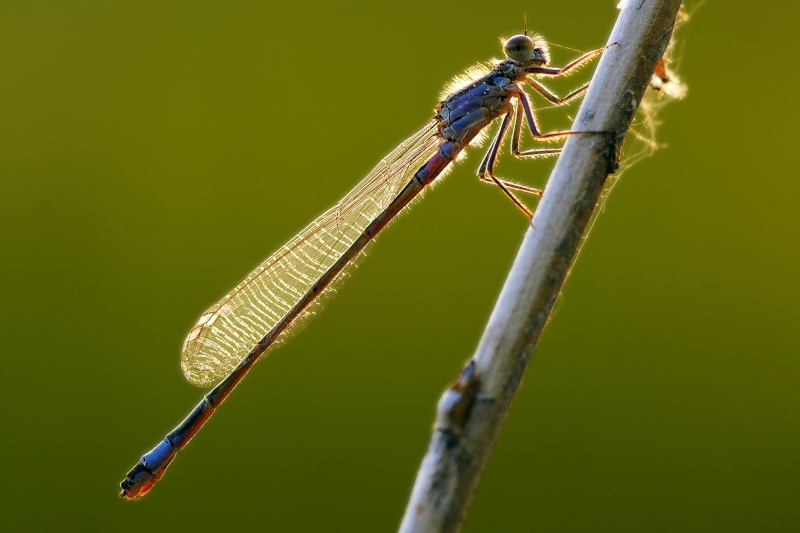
[486, 169]
[577, 63]
[544, 91]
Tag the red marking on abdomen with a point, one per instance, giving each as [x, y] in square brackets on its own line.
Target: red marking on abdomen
[432, 168]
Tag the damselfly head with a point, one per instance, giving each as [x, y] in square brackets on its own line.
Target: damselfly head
[525, 51]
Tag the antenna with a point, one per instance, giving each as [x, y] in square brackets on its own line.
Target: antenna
[525, 19]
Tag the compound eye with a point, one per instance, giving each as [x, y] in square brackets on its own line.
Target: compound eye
[520, 48]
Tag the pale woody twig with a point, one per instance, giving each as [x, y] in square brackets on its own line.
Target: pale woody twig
[471, 412]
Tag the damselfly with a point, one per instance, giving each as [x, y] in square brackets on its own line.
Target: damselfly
[273, 301]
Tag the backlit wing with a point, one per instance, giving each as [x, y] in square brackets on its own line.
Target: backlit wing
[231, 328]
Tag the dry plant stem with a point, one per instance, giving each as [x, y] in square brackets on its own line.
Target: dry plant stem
[470, 413]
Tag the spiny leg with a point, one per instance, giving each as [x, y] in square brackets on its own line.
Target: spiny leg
[555, 136]
[550, 71]
[515, 145]
[512, 185]
[531, 119]
[515, 138]
[486, 170]
[544, 91]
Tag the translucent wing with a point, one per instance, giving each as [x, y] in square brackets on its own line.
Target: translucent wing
[230, 329]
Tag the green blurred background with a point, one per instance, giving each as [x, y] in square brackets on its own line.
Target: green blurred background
[152, 153]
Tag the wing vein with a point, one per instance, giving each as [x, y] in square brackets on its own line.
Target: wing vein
[231, 327]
